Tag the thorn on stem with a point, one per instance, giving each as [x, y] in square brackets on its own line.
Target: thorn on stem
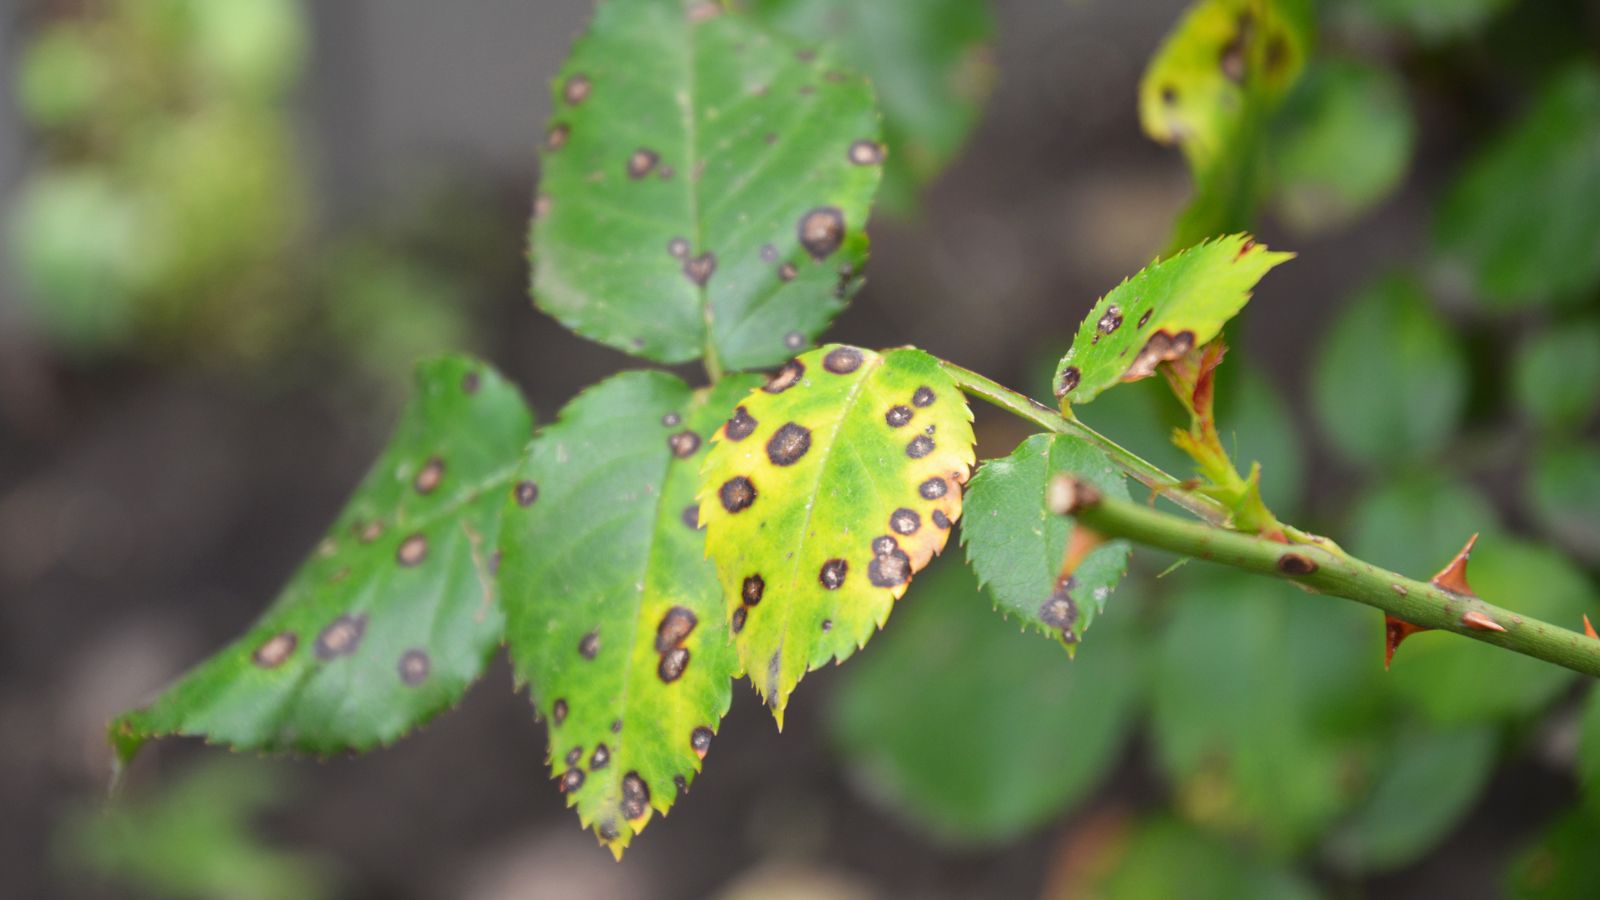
[1480, 622]
[1588, 628]
[1394, 631]
[1453, 577]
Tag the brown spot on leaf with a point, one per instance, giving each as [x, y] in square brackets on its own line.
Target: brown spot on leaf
[274, 650]
[923, 397]
[920, 446]
[933, 488]
[740, 425]
[674, 627]
[341, 637]
[589, 645]
[833, 573]
[787, 272]
[429, 477]
[789, 444]
[368, 532]
[890, 569]
[527, 492]
[673, 664]
[842, 360]
[866, 153]
[736, 494]
[558, 712]
[700, 269]
[787, 377]
[576, 90]
[739, 615]
[898, 416]
[414, 666]
[753, 588]
[904, 521]
[1070, 376]
[700, 741]
[1145, 318]
[413, 550]
[822, 231]
[571, 780]
[641, 162]
[1160, 348]
[575, 754]
[600, 758]
[683, 444]
[1059, 611]
[940, 520]
[635, 796]
[1111, 320]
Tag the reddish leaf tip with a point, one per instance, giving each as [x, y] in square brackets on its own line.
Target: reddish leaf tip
[1480, 622]
[1453, 577]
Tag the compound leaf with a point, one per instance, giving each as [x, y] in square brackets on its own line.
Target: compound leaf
[1168, 308]
[613, 613]
[1510, 224]
[394, 615]
[1017, 545]
[947, 660]
[705, 188]
[823, 494]
[928, 61]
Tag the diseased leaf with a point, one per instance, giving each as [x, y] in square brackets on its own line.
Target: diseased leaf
[824, 493]
[1211, 89]
[1018, 546]
[1563, 489]
[1168, 308]
[1483, 683]
[929, 63]
[613, 614]
[394, 615]
[1557, 375]
[1340, 144]
[1036, 732]
[1511, 223]
[705, 186]
[1427, 781]
[1390, 382]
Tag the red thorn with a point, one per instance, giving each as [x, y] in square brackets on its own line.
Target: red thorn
[1453, 577]
[1394, 631]
[1480, 622]
[1589, 628]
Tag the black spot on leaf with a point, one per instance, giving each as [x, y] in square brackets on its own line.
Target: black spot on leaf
[700, 269]
[413, 550]
[920, 446]
[866, 153]
[635, 796]
[842, 360]
[700, 741]
[573, 755]
[739, 615]
[274, 650]
[684, 444]
[933, 488]
[691, 516]
[673, 663]
[898, 416]
[832, 574]
[576, 89]
[429, 477]
[341, 637]
[740, 425]
[558, 712]
[414, 666]
[822, 231]
[889, 569]
[736, 494]
[600, 758]
[752, 589]
[904, 521]
[1111, 320]
[940, 519]
[787, 377]
[678, 623]
[571, 780]
[527, 492]
[556, 137]
[589, 645]
[789, 444]
[641, 162]
[1070, 376]
[678, 248]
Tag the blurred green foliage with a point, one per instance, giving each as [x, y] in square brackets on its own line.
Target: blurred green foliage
[195, 840]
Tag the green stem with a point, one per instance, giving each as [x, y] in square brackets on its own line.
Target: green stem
[712, 363]
[1129, 462]
[1328, 572]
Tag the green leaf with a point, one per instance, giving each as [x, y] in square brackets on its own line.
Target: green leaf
[1340, 144]
[194, 839]
[394, 615]
[1166, 858]
[823, 494]
[1560, 863]
[1563, 488]
[1390, 382]
[1429, 779]
[1511, 224]
[1168, 308]
[613, 613]
[705, 186]
[929, 63]
[1557, 375]
[1589, 748]
[1259, 700]
[1036, 733]
[1211, 89]
[1454, 681]
[1017, 545]
[1415, 524]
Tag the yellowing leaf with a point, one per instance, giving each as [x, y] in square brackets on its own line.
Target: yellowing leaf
[823, 494]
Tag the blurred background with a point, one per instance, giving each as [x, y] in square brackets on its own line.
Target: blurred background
[230, 226]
